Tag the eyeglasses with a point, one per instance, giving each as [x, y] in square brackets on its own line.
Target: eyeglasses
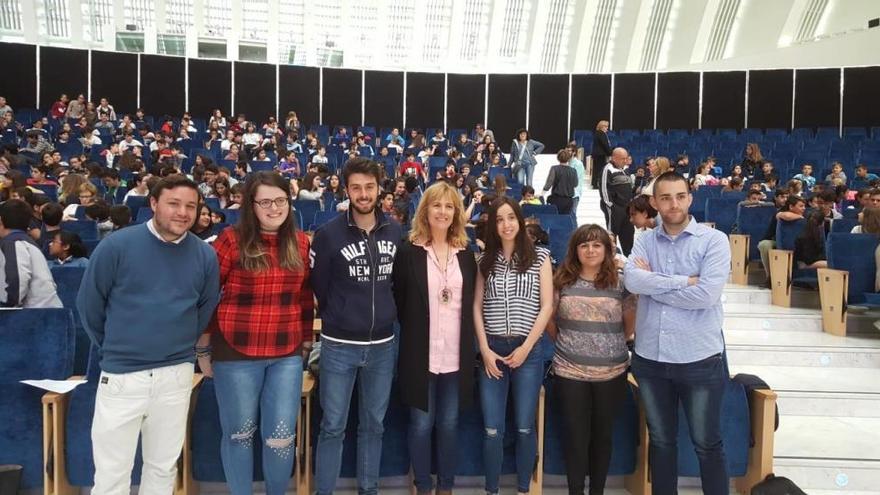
[278, 202]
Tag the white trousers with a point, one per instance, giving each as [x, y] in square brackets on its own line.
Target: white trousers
[150, 403]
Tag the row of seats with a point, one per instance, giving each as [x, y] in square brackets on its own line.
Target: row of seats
[63, 422]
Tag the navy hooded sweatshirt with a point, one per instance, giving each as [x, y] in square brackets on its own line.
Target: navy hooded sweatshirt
[351, 277]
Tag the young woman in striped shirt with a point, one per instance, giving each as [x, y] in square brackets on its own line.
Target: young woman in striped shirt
[513, 303]
[255, 343]
[595, 316]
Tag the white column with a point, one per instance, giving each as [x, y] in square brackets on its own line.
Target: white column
[192, 35]
[273, 35]
[234, 35]
[74, 8]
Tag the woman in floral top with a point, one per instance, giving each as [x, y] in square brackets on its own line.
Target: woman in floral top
[594, 317]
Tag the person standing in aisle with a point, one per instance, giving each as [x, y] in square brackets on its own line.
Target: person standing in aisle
[523, 156]
[617, 192]
[599, 153]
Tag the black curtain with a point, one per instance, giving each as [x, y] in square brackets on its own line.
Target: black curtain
[548, 110]
[20, 91]
[724, 100]
[159, 96]
[633, 101]
[255, 91]
[62, 70]
[210, 87]
[342, 97]
[770, 98]
[383, 99]
[817, 98]
[861, 99]
[114, 76]
[465, 100]
[678, 100]
[299, 89]
[424, 100]
[507, 106]
[590, 100]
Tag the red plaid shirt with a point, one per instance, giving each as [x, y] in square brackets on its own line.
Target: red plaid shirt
[267, 313]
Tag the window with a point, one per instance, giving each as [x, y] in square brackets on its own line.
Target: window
[171, 44]
[476, 28]
[291, 25]
[54, 19]
[437, 24]
[97, 20]
[10, 15]
[178, 16]
[254, 22]
[130, 42]
[139, 13]
[218, 19]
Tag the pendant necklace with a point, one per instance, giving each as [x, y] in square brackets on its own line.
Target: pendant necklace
[445, 293]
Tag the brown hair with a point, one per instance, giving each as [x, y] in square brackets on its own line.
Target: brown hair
[500, 185]
[563, 156]
[570, 269]
[524, 254]
[871, 220]
[753, 152]
[252, 254]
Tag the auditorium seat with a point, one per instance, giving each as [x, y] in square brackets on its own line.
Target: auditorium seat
[307, 209]
[531, 210]
[782, 269]
[37, 344]
[67, 281]
[86, 229]
[323, 217]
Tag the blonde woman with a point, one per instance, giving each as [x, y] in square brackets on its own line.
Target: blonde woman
[661, 166]
[434, 277]
[600, 152]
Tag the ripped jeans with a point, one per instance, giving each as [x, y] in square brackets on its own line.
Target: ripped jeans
[258, 402]
[525, 383]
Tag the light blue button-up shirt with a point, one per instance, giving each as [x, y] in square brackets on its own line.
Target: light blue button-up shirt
[675, 322]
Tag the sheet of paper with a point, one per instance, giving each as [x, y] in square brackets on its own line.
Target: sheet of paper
[57, 386]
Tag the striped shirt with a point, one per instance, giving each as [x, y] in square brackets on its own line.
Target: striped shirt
[512, 299]
[591, 344]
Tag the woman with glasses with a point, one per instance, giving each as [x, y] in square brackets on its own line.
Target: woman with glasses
[262, 327]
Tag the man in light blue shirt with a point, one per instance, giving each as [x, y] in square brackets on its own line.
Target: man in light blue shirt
[679, 270]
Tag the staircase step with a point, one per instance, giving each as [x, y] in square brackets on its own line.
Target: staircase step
[835, 404]
[815, 379]
[739, 316]
[795, 355]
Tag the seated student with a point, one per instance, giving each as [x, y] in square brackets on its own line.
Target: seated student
[528, 196]
[539, 236]
[288, 164]
[68, 250]
[735, 184]
[25, 280]
[87, 194]
[120, 216]
[395, 140]
[770, 183]
[235, 196]
[39, 176]
[99, 211]
[869, 221]
[113, 183]
[411, 168]
[312, 187]
[320, 156]
[386, 202]
[806, 177]
[863, 178]
[837, 173]
[825, 201]
[754, 198]
[203, 228]
[218, 217]
[704, 176]
[140, 187]
[791, 208]
[641, 214]
[809, 247]
[51, 213]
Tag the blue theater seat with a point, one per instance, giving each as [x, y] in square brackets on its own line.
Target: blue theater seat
[86, 229]
[67, 282]
[754, 222]
[854, 253]
[37, 344]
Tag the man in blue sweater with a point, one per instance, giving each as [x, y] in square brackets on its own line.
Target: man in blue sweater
[145, 298]
[352, 257]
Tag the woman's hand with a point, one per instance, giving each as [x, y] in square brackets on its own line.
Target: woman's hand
[490, 364]
[205, 366]
[516, 358]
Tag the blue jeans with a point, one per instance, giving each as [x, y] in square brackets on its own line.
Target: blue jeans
[372, 366]
[268, 391]
[699, 386]
[524, 174]
[526, 384]
[443, 413]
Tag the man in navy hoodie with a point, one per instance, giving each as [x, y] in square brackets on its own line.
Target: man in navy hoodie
[352, 257]
[145, 298]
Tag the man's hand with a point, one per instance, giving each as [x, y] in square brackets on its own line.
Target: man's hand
[693, 280]
[642, 264]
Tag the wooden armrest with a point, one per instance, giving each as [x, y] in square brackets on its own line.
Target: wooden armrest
[198, 378]
[763, 426]
[308, 384]
[833, 298]
[53, 397]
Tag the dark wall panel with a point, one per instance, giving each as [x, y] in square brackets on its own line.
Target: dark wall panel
[678, 100]
[21, 90]
[507, 106]
[548, 110]
[861, 100]
[424, 100]
[383, 98]
[342, 97]
[114, 76]
[724, 99]
[590, 100]
[210, 87]
[770, 98]
[817, 98]
[633, 101]
[62, 70]
[158, 95]
[465, 100]
[299, 90]
[255, 91]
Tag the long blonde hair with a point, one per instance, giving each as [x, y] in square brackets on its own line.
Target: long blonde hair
[421, 229]
[663, 165]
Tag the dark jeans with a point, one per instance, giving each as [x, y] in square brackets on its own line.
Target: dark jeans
[588, 410]
[525, 383]
[443, 414]
[372, 367]
[622, 228]
[699, 387]
[562, 203]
